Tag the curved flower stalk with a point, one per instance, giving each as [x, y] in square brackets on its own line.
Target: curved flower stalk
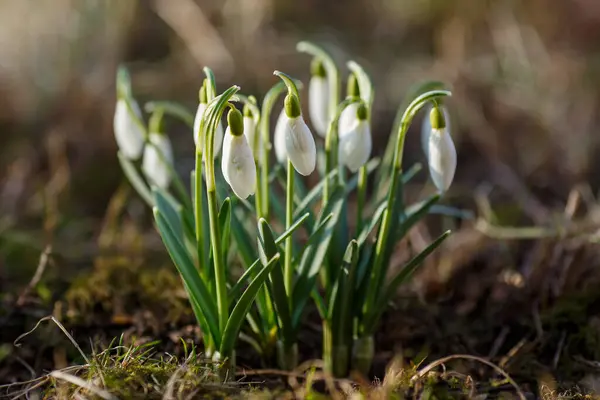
[157, 161]
[237, 162]
[318, 98]
[442, 153]
[426, 128]
[129, 129]
[355, 144]
[198, 137]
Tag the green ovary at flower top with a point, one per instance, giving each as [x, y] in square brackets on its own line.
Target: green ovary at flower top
[344, 270]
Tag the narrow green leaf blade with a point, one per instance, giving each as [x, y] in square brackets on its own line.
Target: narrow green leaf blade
[234, 323]
[135, 179]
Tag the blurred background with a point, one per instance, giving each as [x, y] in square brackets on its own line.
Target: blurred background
[525, 77]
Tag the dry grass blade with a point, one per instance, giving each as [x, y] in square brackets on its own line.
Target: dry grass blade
[421, 373]
[83, 384]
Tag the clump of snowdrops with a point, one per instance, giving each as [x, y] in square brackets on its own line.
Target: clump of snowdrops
[306, 248]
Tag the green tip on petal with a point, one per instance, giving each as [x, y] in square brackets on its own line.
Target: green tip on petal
[436, 118]
[362, 112]
[317, 68]
[292, 106]
[235, 122]
[247, 111]
[352, 88]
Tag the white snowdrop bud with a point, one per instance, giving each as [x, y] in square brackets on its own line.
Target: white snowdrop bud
[156, 156]
[299, 141]
[318, 98]
[237, 162]
[442, 153]
[426, 129]
[252, 134]
[347, 119]
[127, 124]
[279, 139]
[355, 144]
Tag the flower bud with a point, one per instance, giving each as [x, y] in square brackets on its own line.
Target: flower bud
[237, 163]
[156, 154]
[279, 138]
[252, 135]
[426, 127]
[300, 146]
[355, 144]
[127, 124]
[442, 158]
[347, 119]
[318, 98]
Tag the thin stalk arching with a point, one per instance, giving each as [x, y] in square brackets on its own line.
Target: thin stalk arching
[333, 73]
[210, 121]
[383, 247]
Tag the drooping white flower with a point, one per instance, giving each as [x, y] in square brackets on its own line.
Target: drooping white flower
[318, 98]
[441, 152]
[299, 141]
[158, 156]
[237, 162]
[355, 144]
[128, 132]
[347, 119]
[426, 129]
[279, 138]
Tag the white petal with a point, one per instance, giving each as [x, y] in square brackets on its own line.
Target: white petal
[442, 159]
[355, 146]
[153, 165]
[279, 139]
[426, 129]
[300, 146]
[226, 152]
[318, 104]
[128, 134]
[348, 119]
[238, 166]
[251, 135]
[218, 139]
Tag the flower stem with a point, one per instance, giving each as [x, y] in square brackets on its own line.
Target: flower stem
[198, 212]
[220, 275]
[289, 215]
[362, 194]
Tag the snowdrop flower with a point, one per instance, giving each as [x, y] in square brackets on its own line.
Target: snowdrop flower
[279, 139]
[355, 145]
[299, 142]
[237, 162]
[252, 134]
[348, 115]
[158, 155]
[441, 152]
[128, 127]
[318, 98]
[197, 121]
[426, 129]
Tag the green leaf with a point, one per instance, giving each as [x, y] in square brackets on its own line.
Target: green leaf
[235, 291]
[314, 255]
[313, 195]
[402, 277]
[375, 218]
[342, 326]
[291, 229]
[170, 209]
[234, 323]
[268, 248]
[225, 226]
[243, 238]
[135, 179]
[185, 266]
[415, 213]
